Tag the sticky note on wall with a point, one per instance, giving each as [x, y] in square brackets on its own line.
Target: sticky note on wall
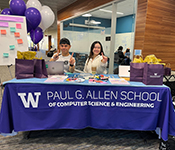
[5, 55]
[3, 32]
[20, 41]
[12, 29]
[17, 34]
[18, 26]
[12, 47]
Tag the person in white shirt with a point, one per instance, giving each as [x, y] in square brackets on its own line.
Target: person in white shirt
[69, 61]
[96, 63]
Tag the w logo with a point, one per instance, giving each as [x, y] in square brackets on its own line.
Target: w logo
[30, 99]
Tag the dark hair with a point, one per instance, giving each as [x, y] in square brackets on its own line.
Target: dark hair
[127, 50]
[120, 48]
[64, 41]
[91, 50]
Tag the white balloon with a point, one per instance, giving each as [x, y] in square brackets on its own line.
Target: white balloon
[9, 2]
[34, 3]
[47, 17]
[45, 7]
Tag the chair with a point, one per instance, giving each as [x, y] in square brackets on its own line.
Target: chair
[170, 82]
[116, 58]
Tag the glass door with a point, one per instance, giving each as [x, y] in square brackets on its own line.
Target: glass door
[113, 25]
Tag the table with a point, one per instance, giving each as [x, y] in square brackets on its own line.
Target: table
[32, 104]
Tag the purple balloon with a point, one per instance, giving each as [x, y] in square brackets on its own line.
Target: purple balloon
[33, 17]
[29, 27]
[18, 7]
[36, 35]
[6, 11]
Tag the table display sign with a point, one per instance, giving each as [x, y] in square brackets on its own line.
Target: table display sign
[39, 105]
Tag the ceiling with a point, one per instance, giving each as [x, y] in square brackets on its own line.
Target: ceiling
[127, 7]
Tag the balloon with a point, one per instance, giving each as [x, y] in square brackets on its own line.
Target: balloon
[6, 11]
[9, 1]
[47, 16]
[33, 17]
[17, 7]
[29, 27]
[45, 7]
[34, 3]
[36, 35]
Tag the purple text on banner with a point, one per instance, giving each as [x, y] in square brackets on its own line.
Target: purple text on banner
[4, 24]
[12, 19]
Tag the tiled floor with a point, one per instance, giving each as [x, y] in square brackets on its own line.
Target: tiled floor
[84, 139]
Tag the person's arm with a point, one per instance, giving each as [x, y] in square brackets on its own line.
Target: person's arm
[124, 53]
[71, 68]
[85, 66]
[105, 59]
[121, 55]
[72, 64]
[55, 57]
[103, 64]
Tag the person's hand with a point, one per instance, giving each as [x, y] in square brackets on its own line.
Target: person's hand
[104, 60]
[56, 56]
[72, 60]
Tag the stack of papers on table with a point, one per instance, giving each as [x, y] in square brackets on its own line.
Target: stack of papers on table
[124, 71]
[118, 81]
[56, 78]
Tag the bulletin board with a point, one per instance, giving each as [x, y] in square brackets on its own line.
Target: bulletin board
[13, 38]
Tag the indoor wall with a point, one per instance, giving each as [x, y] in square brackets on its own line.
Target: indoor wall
[155, 25]
[76, 9]
[155, 29]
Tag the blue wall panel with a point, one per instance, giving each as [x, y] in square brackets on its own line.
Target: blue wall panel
[124, 24]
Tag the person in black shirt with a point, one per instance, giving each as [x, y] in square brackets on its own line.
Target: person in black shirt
[119, 56]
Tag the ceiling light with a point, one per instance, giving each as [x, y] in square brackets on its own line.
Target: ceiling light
[97, 22]
[94, 22]
[85, 26]
[120, 13]
[87, 15]
[109, 11]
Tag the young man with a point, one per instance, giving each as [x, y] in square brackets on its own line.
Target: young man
[69, 61]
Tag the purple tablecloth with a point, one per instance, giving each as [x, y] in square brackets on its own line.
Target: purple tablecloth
[35, 106]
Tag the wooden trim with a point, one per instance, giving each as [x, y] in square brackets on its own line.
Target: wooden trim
[155, 29]
[140, 24]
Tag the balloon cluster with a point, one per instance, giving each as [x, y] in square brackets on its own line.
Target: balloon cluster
[38, 17]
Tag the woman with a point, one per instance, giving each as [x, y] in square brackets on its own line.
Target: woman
[127, 60]
[127, 53]
[96, 62]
